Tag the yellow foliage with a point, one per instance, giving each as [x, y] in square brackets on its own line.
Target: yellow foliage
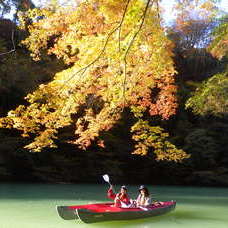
[118, 57]
[148, 136]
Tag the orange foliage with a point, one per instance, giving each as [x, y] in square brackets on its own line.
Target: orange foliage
[119, 58]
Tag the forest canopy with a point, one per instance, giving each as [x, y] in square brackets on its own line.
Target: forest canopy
[118, 58]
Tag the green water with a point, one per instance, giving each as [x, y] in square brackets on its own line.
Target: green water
[33, 206]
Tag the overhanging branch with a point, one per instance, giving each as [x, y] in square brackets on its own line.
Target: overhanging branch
[83, 69]
[131, 44]
[121, 22]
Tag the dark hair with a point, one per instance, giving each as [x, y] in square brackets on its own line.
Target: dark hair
[123, 187]
[145, 189]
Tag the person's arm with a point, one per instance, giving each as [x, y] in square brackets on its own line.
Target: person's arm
[138, 200]
[111, 194]
[147, 201]
[127, 199]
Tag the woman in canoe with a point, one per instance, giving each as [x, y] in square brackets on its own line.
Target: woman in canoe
[121, 199]
[144, 199]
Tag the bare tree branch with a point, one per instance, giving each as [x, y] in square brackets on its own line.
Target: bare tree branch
[83, 69]
[158, 9]
[122, 20]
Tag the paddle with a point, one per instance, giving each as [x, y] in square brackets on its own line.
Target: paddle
[106, 179]
[143, 208]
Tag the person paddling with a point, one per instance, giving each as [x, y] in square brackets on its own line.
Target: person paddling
[121, 199]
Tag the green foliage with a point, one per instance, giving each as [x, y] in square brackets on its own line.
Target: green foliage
[219, 45]
[211, 97]
[202, 147]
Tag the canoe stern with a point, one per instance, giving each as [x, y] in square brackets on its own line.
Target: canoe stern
[66, 213]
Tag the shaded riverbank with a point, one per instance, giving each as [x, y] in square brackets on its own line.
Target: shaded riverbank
[67, 165]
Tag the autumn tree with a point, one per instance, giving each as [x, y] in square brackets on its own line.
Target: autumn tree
[6, 6]
[219, 44]
[192, 32]
[119, 58]
[19, 74]
[212, 96]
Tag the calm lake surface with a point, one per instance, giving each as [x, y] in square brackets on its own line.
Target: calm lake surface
[33, 206]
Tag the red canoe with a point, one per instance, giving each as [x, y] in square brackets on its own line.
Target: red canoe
[100, 212]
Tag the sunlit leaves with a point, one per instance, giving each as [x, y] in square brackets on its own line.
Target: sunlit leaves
[211, 97]
[219, 46]
[148, 136]
[117, 60]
